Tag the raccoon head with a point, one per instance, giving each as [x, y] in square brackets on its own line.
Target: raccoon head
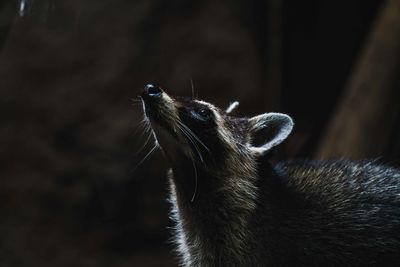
[209, 136]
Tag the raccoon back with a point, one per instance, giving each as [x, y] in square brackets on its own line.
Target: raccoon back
[341, 212]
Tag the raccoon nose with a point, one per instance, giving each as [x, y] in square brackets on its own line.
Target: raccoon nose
[152, 91]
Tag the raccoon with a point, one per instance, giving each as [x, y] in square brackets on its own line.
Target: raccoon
[233, 207]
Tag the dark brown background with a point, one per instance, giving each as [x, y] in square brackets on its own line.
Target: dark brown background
[70, 194]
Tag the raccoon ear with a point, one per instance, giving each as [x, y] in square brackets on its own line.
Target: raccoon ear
[232, 107]
[268, 130]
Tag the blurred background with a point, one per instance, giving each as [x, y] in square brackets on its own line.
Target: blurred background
[70, 191]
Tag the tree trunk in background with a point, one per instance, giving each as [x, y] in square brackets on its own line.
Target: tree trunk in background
[367, 114]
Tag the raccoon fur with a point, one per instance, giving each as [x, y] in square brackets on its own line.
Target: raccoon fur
[233, 207]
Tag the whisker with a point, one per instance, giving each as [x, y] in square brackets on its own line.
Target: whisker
[145, 157]
[187, 134]
[143, 121]
[196, 180]
[145, 143]
[191, 83]
[194, 135]
[142, 124]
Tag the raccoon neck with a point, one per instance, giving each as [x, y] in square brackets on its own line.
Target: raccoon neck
[216, 221]
[200, 190]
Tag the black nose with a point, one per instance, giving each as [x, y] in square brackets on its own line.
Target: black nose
[152, 90]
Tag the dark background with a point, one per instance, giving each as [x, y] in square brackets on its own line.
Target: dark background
[70, 191]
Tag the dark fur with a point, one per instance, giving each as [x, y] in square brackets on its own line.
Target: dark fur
[309, 214]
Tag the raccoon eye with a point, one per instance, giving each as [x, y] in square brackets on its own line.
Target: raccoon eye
[204, 113]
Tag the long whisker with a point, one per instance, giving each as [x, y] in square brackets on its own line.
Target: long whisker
[190, 139]
[193, 141]
[194, 135]
[191, 136]
[142, 124]
[145, 157]
[196, 180]
[150, 134]
[191, 83]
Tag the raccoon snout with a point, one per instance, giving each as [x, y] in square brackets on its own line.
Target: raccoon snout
[151, 91]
